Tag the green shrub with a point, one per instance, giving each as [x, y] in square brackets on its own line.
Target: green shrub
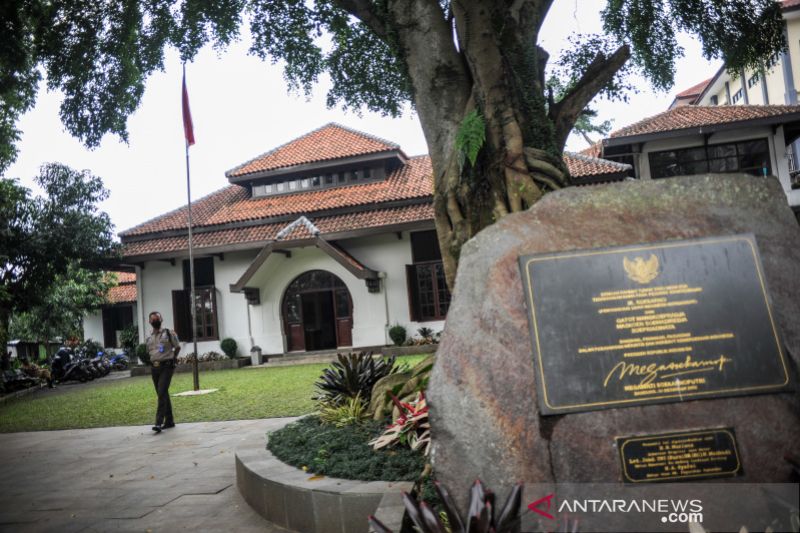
[143, 354]
[352, 375]
[91, 347]
[343, 452]
[128, 338]
[425, 333]
[351, 412]
[398, 334]
[229, 347]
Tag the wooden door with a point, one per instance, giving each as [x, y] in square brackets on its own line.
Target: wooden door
[343, 308]
[295, 338]
[344, 331]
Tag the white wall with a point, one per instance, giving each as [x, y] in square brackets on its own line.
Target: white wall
[159, 278]
[93, 326]
[777, 149]
[384, 253]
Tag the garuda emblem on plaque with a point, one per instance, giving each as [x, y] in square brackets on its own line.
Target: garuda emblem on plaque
[641, 270]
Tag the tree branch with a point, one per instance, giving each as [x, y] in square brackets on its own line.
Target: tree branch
[363, 11]
[600, 71]
[529, 15]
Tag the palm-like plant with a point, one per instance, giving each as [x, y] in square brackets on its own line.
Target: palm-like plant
[482, 516]
[352, 375]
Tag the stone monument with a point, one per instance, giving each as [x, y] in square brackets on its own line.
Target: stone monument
[608, 319]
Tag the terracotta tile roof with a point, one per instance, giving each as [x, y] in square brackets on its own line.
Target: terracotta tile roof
[579, 166]
[594, 150]
[257, 234]
[584, 166]
[411, 182]
[680, 118]
[125, 277]
[329, 142]
[232, 204]
[202, 209]
[122, 294]
[694, 90]
[125, 290]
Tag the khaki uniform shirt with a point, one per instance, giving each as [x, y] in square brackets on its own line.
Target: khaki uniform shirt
[161, 345]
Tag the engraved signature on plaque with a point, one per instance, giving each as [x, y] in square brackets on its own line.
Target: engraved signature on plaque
[661, 322]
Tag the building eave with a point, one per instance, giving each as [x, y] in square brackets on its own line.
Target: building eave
[701, 130]
[277, 219]
[418, 225]
[328, 165]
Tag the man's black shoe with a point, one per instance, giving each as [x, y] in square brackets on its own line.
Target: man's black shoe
[167, 426]
[157, 428]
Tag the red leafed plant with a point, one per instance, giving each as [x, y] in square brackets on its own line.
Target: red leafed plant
[411, 428]
[483, 516]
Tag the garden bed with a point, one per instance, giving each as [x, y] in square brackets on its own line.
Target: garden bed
[224, 364]
[301, 501]
[408, 350]
[344, 452]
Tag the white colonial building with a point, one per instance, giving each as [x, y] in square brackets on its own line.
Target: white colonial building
[322, 243]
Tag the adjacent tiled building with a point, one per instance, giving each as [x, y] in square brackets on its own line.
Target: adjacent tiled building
[774, 83]
[692, 139]
[118, 313]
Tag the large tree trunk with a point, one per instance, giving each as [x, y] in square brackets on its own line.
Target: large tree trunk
[498, 69]
[5, 321]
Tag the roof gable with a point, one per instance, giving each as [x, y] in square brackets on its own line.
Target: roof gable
[329, 143]
[694, 90]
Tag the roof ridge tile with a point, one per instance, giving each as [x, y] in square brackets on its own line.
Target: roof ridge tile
[369, 144]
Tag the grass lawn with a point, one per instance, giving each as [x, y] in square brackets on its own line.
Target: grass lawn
[243, 394]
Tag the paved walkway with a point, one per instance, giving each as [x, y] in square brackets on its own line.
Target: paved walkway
[127, 479]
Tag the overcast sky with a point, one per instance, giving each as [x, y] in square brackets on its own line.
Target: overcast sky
[241, 108]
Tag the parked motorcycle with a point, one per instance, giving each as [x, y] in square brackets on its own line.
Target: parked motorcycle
[101, 364]
[83, 358]
[120, 361]
[65, 366]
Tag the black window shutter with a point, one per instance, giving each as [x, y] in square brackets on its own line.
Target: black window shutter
[109, 334]
[182, 314]
[413, 293]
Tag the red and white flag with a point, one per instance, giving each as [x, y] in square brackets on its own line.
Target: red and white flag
[188, 128]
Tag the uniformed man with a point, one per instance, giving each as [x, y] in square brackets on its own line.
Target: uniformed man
[163, 347]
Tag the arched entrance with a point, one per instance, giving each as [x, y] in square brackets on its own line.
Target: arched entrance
[317, 312]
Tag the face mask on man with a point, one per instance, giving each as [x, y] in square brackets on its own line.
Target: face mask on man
[156, 324]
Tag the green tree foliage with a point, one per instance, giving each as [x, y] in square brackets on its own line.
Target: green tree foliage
[447, 58]
[129, 338]
[61, 311]
[42, 238]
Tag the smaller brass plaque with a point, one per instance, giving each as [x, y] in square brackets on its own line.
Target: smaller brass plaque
[687, 455]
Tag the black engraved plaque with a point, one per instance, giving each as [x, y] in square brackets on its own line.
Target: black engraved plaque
[679, 456]
[653, 323]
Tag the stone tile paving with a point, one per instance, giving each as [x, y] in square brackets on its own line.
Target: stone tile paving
[127, 479]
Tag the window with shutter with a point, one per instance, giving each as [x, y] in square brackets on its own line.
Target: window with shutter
[428, 295]
[182, 314]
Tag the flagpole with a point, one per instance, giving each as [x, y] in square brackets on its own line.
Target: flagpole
[192, 301]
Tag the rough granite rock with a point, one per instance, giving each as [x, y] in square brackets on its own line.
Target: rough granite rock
[482, 392]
